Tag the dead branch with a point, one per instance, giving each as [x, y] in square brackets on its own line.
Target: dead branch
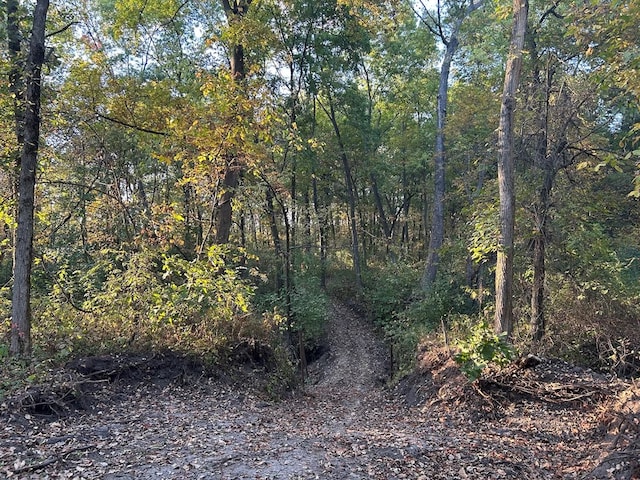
[61, 456]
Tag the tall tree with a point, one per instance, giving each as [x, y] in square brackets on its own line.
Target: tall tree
[506, 172]
[436, 24]
[351, 189]
[23, 253]
[235, 11]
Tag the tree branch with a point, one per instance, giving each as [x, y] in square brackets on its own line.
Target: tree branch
[63, 29]
[130, 125]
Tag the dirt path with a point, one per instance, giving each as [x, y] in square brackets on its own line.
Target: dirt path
[346, 427]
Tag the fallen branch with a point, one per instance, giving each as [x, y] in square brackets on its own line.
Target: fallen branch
[52, 460]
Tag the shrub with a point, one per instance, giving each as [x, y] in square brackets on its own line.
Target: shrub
[152, 300]
[482, 348]
[310, 308]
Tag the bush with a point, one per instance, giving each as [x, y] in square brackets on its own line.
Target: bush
[151, 300]
[405, 315]
[310, 308]
[388, 291]
[482, 348]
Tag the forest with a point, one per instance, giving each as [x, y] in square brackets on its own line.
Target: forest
[217, 179]
[208, 173]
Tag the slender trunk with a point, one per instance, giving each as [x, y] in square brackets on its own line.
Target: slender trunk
[275, 235]
[23, 254]
[234, 11]
[506, 173]
[321, 218]
[351, 196]
[436, 237]
[16, 89]
[225, 209]
[307, 221]
[541, 92]
[384, 223]
[405, 210]
[537, 290]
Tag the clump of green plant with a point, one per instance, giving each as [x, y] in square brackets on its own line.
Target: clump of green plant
[405, 315]
[153, 300]
[482, 348]
[310, 308]
[388, 290]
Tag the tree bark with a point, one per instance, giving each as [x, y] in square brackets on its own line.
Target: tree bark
[321, 217]
[275, 235]
[20, 345]
[506, 173]
[539, 246]
[382, 216]
[436, 237]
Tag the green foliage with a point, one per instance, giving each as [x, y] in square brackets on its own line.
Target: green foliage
[152, 300]
[482, 348]
[309, 303]
[310, 307]
[388, 290]
[403, 315]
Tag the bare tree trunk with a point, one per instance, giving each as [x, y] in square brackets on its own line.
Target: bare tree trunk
[23, 254]
[275, 234]
[321, 217]
[382, 216]
[539, 246]
[225, 209]
[436, 237]
[506, 173]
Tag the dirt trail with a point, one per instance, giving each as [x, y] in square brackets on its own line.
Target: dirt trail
[355, 361]
[346, 427]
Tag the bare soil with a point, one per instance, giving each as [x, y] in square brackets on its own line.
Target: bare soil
[345, 424]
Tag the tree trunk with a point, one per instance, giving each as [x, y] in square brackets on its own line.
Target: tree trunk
[234, 11]
[321, 219]
[351, 197]
[506, 173]
[384, 222]
[225, 209]
[275, 235]
[23, 254]
[539, 246]
[436, 237]
[541, 206]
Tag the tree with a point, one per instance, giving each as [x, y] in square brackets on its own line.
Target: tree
[235, 12]
[608, 34]
[506, 173]
[451, 42]
[23, 253]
